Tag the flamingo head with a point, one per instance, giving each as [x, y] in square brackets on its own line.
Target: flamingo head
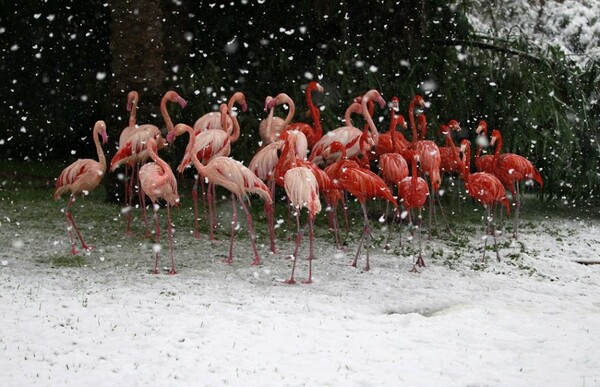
[401, 121]
[454, 125]
[102, 128]
[267, 102]
[334, 147]
[172, 96]
[395, 104]
[465, 148]
[495, 136]
[315, 86]
[482, 127]
[132, 98]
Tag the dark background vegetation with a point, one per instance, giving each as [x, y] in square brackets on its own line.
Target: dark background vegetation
[66, 64]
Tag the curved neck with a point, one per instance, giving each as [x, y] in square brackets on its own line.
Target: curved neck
[132, 102]
[238, 98]
[367, 115]
[235, 134]
[165, 112]
[422, 127]
[355, 107]
[99, 129]
[498, 146]
[414, 172]
[292, 109]
[223, 110]
[411, 119]
[467, 163]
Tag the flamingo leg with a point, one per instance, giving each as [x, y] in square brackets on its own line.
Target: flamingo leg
[72, 220]
[142, 197]
[170, 232]
[419, 262]
[311, 220]
[211, 221]
[233, 224]
[195, 201]
[517, 208]
[270, 213]
[366, 236]
[298, 240]
[128, 198]
[251, 232]
[437, 195]
[157, 239]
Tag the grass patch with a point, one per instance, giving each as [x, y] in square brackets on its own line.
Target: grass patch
[67, 261]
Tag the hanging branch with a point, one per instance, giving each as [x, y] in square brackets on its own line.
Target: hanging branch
[488, 46]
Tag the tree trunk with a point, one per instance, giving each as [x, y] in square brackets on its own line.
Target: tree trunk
[137, 53]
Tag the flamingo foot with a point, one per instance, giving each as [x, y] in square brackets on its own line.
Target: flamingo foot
[172, 271]
[414, 269]
[367, 268]
[290, 281]
[155, 271]
[228, 261]
[256, 262]
[420, 262]
[308, 281]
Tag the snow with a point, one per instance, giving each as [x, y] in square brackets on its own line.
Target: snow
[571, 25]
[530, 319]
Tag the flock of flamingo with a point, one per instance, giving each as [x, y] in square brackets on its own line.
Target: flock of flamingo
[308, 164]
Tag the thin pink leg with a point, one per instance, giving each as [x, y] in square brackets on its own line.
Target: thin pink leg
[298, 240]
[157, 239]
[270, 214]
[233, 224]
[311, 221]
[195, 202]
[251, 232]
[170, 231]
[70, 218]
[142, 196]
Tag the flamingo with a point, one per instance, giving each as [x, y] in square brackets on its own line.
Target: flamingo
[132, 102]
[240, 181]
[213, 120]
[262, 164]
[450, 154]
[207, 145]
[315, 132]
[350, 136]
[510, 169]
[158, 182]
[364, 184]
[486, 189]
[81, 177]
[392, 169]
[301, 188]
[429, 156]
[393, 141]
[299, 128]
[271, 127]
[413, 191]
[134, 151]
[483, 163]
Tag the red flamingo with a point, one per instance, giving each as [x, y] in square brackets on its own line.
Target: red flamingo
[486, 189]
[511, 169]
[363, 184]
[393, 168]
[81, 177]
[158, 182]
[314, 133]
[483, 163]
[214, 120]
[449, 154]
[301, 188]
[240, 181]
[333, 171]
[353, 139]
[414, 192]
[393, 141]
[134, 151]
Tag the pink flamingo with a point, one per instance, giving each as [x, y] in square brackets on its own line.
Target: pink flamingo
[301, 188]
[240, 181]
[298, 128]
[206, 145]
[449, 154]
[350, 136]
[483, 163]
[271, 127]
[213, 120]
[414, 191]
[262, 164]
[158, 182]
[486, 189]
[81, 177]
[511, 169]
[132, 102]
[134, 150]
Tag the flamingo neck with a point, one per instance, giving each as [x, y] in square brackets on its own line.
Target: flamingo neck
[467, 164]
[498, 146]
[367, 115]
[132, 106]
[223, 109]
[235, 134]
[165, 113]
[99, 151]
[291, 112]
[411, 119]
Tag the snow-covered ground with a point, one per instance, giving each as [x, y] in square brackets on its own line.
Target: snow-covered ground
[531, 319]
